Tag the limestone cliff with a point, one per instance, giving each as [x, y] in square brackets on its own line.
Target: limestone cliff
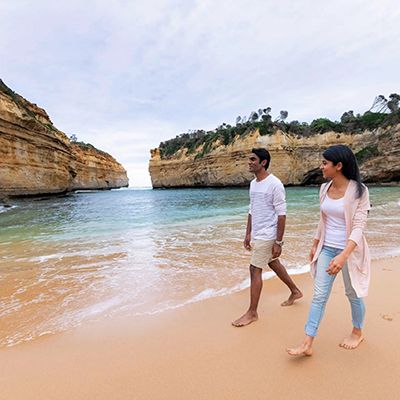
[295, 159]
[36, 158]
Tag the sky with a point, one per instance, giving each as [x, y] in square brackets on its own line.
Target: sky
[127, 75]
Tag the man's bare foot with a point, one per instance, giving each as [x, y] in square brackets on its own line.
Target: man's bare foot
[352, 341]
[246, 319]
[292, 298]
[303, 350]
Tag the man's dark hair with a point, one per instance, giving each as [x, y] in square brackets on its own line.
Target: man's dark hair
[262, 154]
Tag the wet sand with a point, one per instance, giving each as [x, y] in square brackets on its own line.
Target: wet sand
[194, 353]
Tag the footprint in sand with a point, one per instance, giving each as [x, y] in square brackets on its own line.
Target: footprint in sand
[387, 317]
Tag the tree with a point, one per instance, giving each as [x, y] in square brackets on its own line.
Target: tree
[348, 117]
[393, 103]
[322, 125]
[283, 115]
[372, 120]
[296, 127]
[379, 105]
[73, 138]
[266, 117]
[253, 116]
[267, 110]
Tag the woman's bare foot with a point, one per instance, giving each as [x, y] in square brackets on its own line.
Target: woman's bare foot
[246, 319]
[292, 298]
[353, 340]
[305, 349]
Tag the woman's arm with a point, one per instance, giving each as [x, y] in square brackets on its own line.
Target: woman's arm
[313, 249]
[317, 235]
[360, 218]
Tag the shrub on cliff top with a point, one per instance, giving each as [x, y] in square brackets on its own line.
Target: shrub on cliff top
[88, 146]
[322, 125]
[382, 113]
[371, 120]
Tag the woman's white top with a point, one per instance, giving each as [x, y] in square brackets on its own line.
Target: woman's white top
[335, 233]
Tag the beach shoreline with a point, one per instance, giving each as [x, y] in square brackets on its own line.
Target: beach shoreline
[71, 260]
[194, 353]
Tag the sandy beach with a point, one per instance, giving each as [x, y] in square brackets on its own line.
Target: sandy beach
[194, 353]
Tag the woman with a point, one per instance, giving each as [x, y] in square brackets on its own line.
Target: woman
[339, 245]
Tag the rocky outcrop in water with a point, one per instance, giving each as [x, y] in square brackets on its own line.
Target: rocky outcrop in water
[295, 159]
[37, 158]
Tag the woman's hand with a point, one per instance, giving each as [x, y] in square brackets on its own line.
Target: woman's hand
[313, 250]
[336, 264]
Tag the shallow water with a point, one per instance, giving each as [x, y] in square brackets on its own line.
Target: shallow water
[91, 255]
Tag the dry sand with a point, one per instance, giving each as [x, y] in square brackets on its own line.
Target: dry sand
[194, 353]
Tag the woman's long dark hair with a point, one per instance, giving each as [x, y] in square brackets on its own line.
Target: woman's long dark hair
[341, 153]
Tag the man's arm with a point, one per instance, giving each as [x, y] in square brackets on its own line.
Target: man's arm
[247, 238]
[280, 227]
[277, 248]
[279, 202]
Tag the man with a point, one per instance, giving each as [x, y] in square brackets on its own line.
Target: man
[265, 228]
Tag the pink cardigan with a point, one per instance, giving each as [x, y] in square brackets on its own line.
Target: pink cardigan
[356, 212]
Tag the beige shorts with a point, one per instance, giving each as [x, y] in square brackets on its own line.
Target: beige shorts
[261, 253]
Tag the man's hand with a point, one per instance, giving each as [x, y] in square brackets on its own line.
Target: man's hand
[336, 264]
[246, 243]
[276, 250]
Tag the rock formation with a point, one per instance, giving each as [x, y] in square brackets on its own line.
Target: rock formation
[37, 158]
[295, 159]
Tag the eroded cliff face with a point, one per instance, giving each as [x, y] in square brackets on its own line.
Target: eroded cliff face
[96, 169]
[36, 158]
[295, 160]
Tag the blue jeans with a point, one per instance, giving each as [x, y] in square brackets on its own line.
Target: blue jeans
[322, 289]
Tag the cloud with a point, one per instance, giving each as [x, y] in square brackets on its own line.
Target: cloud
[126, 75]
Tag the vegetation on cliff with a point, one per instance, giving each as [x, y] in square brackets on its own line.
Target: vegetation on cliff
[30, 108]
[86, 146]
[383, 113]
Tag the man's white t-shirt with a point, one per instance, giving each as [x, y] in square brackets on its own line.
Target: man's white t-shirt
[267, 201]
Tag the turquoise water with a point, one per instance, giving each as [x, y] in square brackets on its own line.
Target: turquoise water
[93, 255]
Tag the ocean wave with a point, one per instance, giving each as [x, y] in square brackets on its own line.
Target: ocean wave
[65, 321]
[386, 253]
[5, 209]
[384, 206]
[210, 293]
